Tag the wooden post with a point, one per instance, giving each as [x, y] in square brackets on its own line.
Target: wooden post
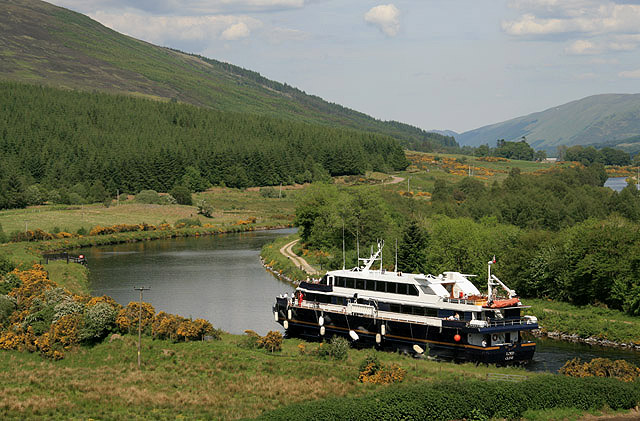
[140, 320]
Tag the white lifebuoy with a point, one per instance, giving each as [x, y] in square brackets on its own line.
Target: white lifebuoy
[275, 315]
[378, 338]
[321, 321]
[383, 330]
[289, 314]
[322, 331]
[286, 325]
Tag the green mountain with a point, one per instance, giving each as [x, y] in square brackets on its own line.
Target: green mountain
[46, 44]
[597, 119]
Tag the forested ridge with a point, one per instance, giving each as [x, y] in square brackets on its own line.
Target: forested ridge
[59, 138]
[57, 47]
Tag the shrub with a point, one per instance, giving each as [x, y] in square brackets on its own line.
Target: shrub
[205, 209]
[66, 330]
[7, 306]
[127, 319]
[148, 197]
[601, 367]
[336, 349]
[182, 195]
[187, 222]
[99, 320]
[165, 326]
[250, 341]
[272, 341]
[5, 265]
[67, 307]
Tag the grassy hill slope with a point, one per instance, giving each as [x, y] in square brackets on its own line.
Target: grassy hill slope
[595, 119]
[43, 43]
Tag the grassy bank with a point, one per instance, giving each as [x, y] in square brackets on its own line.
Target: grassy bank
[206, 380]
[585, 322]
[279, 263]
[73, 276]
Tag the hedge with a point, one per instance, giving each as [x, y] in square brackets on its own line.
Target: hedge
[470, 400]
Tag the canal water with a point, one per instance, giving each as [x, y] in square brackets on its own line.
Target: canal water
[220, 278]
[616, 183]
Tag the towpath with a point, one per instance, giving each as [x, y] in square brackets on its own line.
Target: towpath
[300, 262]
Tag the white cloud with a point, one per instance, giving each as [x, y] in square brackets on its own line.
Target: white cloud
[160, 29]
[591, 26]
[236, 31]
[582, 47]
[630, 74]
[386, 17]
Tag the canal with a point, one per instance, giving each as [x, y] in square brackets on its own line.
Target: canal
[220, 278]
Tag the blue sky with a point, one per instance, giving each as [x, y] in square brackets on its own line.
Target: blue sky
[437, 64]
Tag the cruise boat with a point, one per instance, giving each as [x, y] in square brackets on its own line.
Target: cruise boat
[445, 314]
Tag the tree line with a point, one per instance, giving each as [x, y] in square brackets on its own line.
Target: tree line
[57, 139]
[559, 235]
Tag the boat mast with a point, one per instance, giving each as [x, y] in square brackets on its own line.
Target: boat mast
[343, 256]
[489, 283]
[396, 267]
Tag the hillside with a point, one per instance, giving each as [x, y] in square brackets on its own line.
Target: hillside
[60, 138]
[42, 43]
[595, 119]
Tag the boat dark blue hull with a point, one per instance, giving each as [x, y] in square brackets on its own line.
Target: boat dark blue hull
[307, 322]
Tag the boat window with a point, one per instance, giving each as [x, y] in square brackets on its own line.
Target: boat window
[381, 286]
[371, 285]
[431, 312]
[359, 283]
[418, 311]
[407, 309]
[350, 283]
[391, 287]
[402, 289]
[427, 289]
[340, 281]
[327, 280]
[413, 290]
[394, 308]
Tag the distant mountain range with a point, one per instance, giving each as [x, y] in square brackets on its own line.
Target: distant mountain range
[46, 44]
[611, 119]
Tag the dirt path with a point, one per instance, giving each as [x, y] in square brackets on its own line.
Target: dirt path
[287, 250]
[394, 180]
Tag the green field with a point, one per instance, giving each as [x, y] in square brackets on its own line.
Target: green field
[230, 206]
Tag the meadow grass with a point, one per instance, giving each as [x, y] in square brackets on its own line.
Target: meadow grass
[217, 379]
[585, 321]
[230, 205]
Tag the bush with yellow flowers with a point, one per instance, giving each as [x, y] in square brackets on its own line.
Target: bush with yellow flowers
[38, 316]
[374, 371]
[601, 367]
[127, 319]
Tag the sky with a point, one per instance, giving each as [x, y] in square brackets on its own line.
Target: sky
[435, 64]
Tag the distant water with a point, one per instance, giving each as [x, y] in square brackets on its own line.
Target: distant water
[616, 183]
[217, 277]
